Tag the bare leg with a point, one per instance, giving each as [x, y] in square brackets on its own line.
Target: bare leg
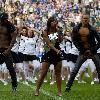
[97, 64]
[44, 70]
[58, 77]
[1, 75]
[93, 75]
[81, 76]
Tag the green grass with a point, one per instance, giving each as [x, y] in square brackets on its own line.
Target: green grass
[78, 92]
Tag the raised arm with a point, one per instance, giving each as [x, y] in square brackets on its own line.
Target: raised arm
[37, 31]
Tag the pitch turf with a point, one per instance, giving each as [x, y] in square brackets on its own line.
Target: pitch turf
[78, 92]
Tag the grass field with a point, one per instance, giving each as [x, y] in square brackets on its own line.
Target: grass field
[48, 92]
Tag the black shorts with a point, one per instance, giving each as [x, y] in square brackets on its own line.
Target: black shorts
[2, 57]
[16, 58]
[52, 57]
[21, 57]
[29, 57]
[71, 57]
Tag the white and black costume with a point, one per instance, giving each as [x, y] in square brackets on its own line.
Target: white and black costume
[50, 55]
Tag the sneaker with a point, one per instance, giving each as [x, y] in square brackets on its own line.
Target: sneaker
[9, 77]
[62, 78]
[5, 83]
[25, 83]
[59, 94]
[27, 78]
[45, 81]
[52, 83]
[81, 82]
[68, 77]
[66, 82]
[35, 78]
[18, 80]
[92, 83]
[2, 80]
[67, 89]
[77, 75]
[36, 93]
[14, 89]
[32, 80]
[87, 75]
[76, 78]
[96, 80]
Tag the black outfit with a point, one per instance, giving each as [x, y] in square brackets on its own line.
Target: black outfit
[9, 63]
[24, 57]
[8, 59]
[29, 57]
[16, 58]
[71, 57]
[76, 38]
[21, 57]
[51, 56]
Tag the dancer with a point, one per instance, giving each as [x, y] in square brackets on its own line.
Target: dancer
[52, 55]
[83, 37]
[7, 40]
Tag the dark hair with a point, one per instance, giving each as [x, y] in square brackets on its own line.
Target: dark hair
[24, 27]
[51, 19]
[32, 33]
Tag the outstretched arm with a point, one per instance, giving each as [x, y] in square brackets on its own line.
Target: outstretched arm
[37, 31]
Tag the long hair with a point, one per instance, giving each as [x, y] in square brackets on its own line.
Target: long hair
[51, 19]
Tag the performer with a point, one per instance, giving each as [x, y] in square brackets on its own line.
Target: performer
[52, 55]
[7, 40]
[83, 37]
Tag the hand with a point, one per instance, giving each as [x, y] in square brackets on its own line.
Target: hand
[61, 54]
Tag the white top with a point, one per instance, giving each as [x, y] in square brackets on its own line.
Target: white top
[66, 45]
[22, 44]
[16, 46]
[74, 50]
[98, 51]
[30, 46]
